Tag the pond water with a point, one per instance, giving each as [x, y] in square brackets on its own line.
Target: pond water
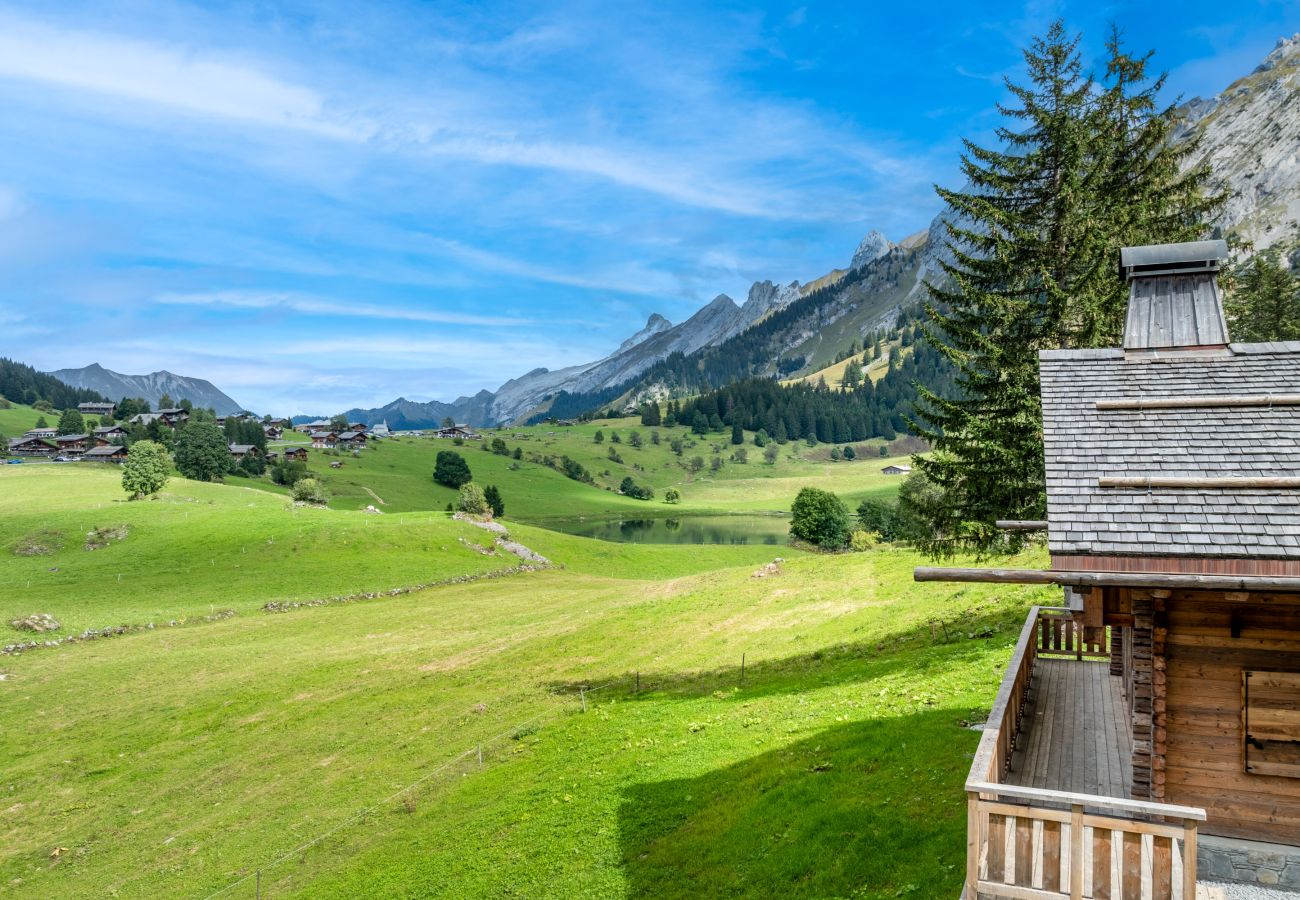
[772, 530]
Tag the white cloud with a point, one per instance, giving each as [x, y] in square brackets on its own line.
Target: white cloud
[321, 306]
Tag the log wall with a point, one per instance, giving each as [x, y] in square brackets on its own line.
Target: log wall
[1195, 735]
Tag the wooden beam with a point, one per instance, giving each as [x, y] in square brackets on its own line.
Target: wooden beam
[1142, 481]
[1282, 583]
[1021, 524]
[1219, 402]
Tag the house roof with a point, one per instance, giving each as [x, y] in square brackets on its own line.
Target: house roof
[106, 429]
[241, 448]
[323, 434]
[1083, 444]
[62, 438]
[109, 450]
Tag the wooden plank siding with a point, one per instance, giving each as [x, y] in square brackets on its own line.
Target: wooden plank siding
[1204, 744]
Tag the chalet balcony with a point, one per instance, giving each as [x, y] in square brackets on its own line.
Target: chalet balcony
[1049, 812]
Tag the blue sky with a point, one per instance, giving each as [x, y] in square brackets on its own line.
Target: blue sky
[322, 205]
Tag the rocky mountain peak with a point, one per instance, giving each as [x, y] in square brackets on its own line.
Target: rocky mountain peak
[873, 246]
[656, 324]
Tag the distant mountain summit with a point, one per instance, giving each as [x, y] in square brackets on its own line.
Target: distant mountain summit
[151, 387]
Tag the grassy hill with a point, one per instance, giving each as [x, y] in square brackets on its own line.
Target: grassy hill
[176, 762]
[400, 473]
[18, 418]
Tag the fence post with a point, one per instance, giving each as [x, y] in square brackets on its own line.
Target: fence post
[582, 693]
[742, 668]
[1076, 852]
[973, 842]
[638, 681]
[1189, 858]
[480, 756]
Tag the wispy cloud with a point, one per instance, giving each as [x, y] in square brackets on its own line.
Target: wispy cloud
[320, 306]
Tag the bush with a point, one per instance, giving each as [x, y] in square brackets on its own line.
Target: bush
[309, 490]
[472, 500]
[450, 469]
[770, 452]
[879, 517]
[499, 447]
[850, 453]
[145, 471]
[862, 541]
[672, 495]
[288, 472]
[819, 518]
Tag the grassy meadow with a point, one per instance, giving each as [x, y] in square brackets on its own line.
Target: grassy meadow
[396, 475]
[640, 721]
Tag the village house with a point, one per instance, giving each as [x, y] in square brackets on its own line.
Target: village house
[96, 409]
[309, 427]
[297, 454]
[41, 432]
[105, 434]
[174, 418]
[273, 432]
[463, 432]
[896, 470]
[239, 451]
[324, 440]
[1147, 732]
[106, 453]
[352, 440]
[33, 445]
[73, 444]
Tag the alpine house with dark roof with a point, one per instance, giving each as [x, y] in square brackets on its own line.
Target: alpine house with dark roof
[1151, 725]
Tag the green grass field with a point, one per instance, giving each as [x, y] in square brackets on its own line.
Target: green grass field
[18, 418]
[400, 473]
[334, 751]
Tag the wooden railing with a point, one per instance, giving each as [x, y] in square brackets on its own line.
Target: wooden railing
[1062, 634]
[1026, 843]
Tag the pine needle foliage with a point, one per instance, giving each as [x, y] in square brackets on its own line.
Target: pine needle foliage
[1081, 167]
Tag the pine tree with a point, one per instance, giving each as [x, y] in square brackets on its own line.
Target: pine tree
[71, 422]
[1082, 170]
[1264, 304]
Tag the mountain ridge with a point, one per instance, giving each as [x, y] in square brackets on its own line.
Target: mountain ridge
[151, 387]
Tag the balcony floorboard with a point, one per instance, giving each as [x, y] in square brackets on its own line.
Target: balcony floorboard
[1075, 734]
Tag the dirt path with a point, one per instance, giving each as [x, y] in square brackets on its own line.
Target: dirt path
[378, 499]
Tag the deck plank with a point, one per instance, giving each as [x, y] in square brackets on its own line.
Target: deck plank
[1076, 734]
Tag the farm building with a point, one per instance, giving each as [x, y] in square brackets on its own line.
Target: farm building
[463, 432]
[105, 453]
[33, 445]
[73, 444]
[896, 470]
[41, 432]
[352, 440]
[96, 409]
[1149, 729]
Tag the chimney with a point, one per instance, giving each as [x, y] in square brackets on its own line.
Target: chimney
[1174, 301]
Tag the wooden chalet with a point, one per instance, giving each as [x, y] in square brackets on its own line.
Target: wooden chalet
[73, 444]
[457, 431]
[41, 432]
[105, 434]
[98, 410]
[324, 440]
[352, 440]
[295, 453]
[273, 432]
[174, 418]
[1148, 731]
[239, 451]
[106, 453]
[33, 445]
[896, 470]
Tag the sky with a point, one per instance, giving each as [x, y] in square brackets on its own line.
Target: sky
[322, 205]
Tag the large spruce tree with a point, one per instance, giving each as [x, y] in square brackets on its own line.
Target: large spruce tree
[1081, 168]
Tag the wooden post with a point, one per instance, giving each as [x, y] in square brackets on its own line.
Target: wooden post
[742, 668]
[1189, 859]
[582, 693]
[1076, 852]
[973, 844]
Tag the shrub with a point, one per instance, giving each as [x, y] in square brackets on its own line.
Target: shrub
[450, 469]
[309, 490]
[740, 455]
[862, 541]
[819, 518]
[499, 447]
[145, 471]
[770, 453]
[672, 495]
[850, 453]
[472, 500]
[288, 472]
[879, 517]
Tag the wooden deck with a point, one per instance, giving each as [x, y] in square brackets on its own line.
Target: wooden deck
[1075, 735]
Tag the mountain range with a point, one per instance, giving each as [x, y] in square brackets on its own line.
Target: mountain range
[151, 387]
[1249, 134]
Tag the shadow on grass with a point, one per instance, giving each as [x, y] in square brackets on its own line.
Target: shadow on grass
[915, 648]
[869, 809]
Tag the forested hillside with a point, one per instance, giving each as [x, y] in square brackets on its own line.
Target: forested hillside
[21, 383]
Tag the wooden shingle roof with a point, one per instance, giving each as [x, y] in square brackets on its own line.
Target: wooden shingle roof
[1083, 444]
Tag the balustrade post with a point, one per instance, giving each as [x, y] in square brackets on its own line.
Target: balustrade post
[974, 842]
[1076, 852]
[1189, 859]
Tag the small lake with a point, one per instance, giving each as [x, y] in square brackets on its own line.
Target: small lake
[771, 530]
